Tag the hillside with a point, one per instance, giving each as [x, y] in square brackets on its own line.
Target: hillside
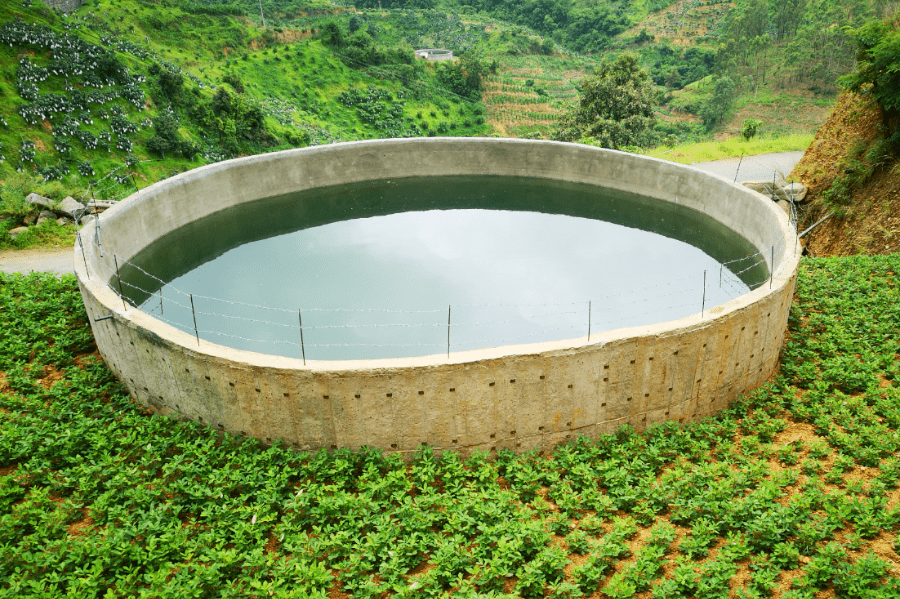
[851, 177]
[117, 96]
[122, 93]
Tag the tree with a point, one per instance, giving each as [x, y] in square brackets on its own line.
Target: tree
[169, 86]
[787, 15]
[464, 77]
[878, 66]
[615, 108]
[332, 35]
[167, 139]
[716, 108]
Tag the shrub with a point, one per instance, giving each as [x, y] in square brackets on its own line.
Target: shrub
[750, 128]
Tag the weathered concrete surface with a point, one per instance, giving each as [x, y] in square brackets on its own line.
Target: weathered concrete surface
[517, 397]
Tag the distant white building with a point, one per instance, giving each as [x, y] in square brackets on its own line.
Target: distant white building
[434, 54]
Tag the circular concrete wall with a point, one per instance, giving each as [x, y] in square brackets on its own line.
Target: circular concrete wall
[518, 397]
[434, 54]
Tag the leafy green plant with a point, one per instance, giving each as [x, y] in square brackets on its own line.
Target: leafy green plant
[662, 534]
[588, 575]
[578, 542]
[702, 535]
[96, 493]
[749, 128]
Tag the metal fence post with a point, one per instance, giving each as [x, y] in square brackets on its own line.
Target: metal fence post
[119, 279]
[448, 331]
[99, 243]
[194, 314]
[83, 256]
[589, 321]
[772, 267]
[302, 345]
[703, 305]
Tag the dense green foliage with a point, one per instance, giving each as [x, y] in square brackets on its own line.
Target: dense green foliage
[749, 128]
[714, 110]
[615, 109]
[580, 25]
[878, 70]
[790, 486]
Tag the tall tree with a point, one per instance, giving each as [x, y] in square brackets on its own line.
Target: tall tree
[716, 108]
[787, 15]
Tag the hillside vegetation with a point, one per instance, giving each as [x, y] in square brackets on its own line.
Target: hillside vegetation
[852, 166]
[123, 93]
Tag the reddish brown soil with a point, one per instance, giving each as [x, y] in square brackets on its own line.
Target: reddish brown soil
[873, 225]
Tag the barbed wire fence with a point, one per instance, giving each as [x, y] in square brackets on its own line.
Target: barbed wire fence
[444, 329]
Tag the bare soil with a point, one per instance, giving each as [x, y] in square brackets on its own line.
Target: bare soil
[874, 224]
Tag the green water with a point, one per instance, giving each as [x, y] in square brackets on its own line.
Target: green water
[375, 270]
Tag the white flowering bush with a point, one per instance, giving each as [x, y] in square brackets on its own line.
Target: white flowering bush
[94, 80]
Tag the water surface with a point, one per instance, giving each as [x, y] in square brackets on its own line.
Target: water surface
[376, 270]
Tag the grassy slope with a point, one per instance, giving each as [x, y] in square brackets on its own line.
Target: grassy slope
[734, 147]
[771, 91]
[294, 79]
[792, 491]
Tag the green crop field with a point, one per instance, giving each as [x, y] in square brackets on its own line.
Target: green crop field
[790, 492]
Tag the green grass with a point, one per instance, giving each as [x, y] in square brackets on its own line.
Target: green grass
[735, 147]
[49, 235]
[99, 498]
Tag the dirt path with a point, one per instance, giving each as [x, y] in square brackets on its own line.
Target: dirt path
[57, 260]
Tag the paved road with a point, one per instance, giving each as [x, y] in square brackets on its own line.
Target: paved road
[753, 168]
[760, 167]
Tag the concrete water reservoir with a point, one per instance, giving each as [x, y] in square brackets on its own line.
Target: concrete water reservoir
[434, 54]
[512, 396]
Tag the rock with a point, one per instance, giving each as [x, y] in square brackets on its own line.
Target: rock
[36, 200]
[62, 221]
[17, 231]
[45, 214]
[797, 190]
[96, 206]
[30, 219]
[44, 219]
[778, 190]
[70, 207]
[764, 187]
